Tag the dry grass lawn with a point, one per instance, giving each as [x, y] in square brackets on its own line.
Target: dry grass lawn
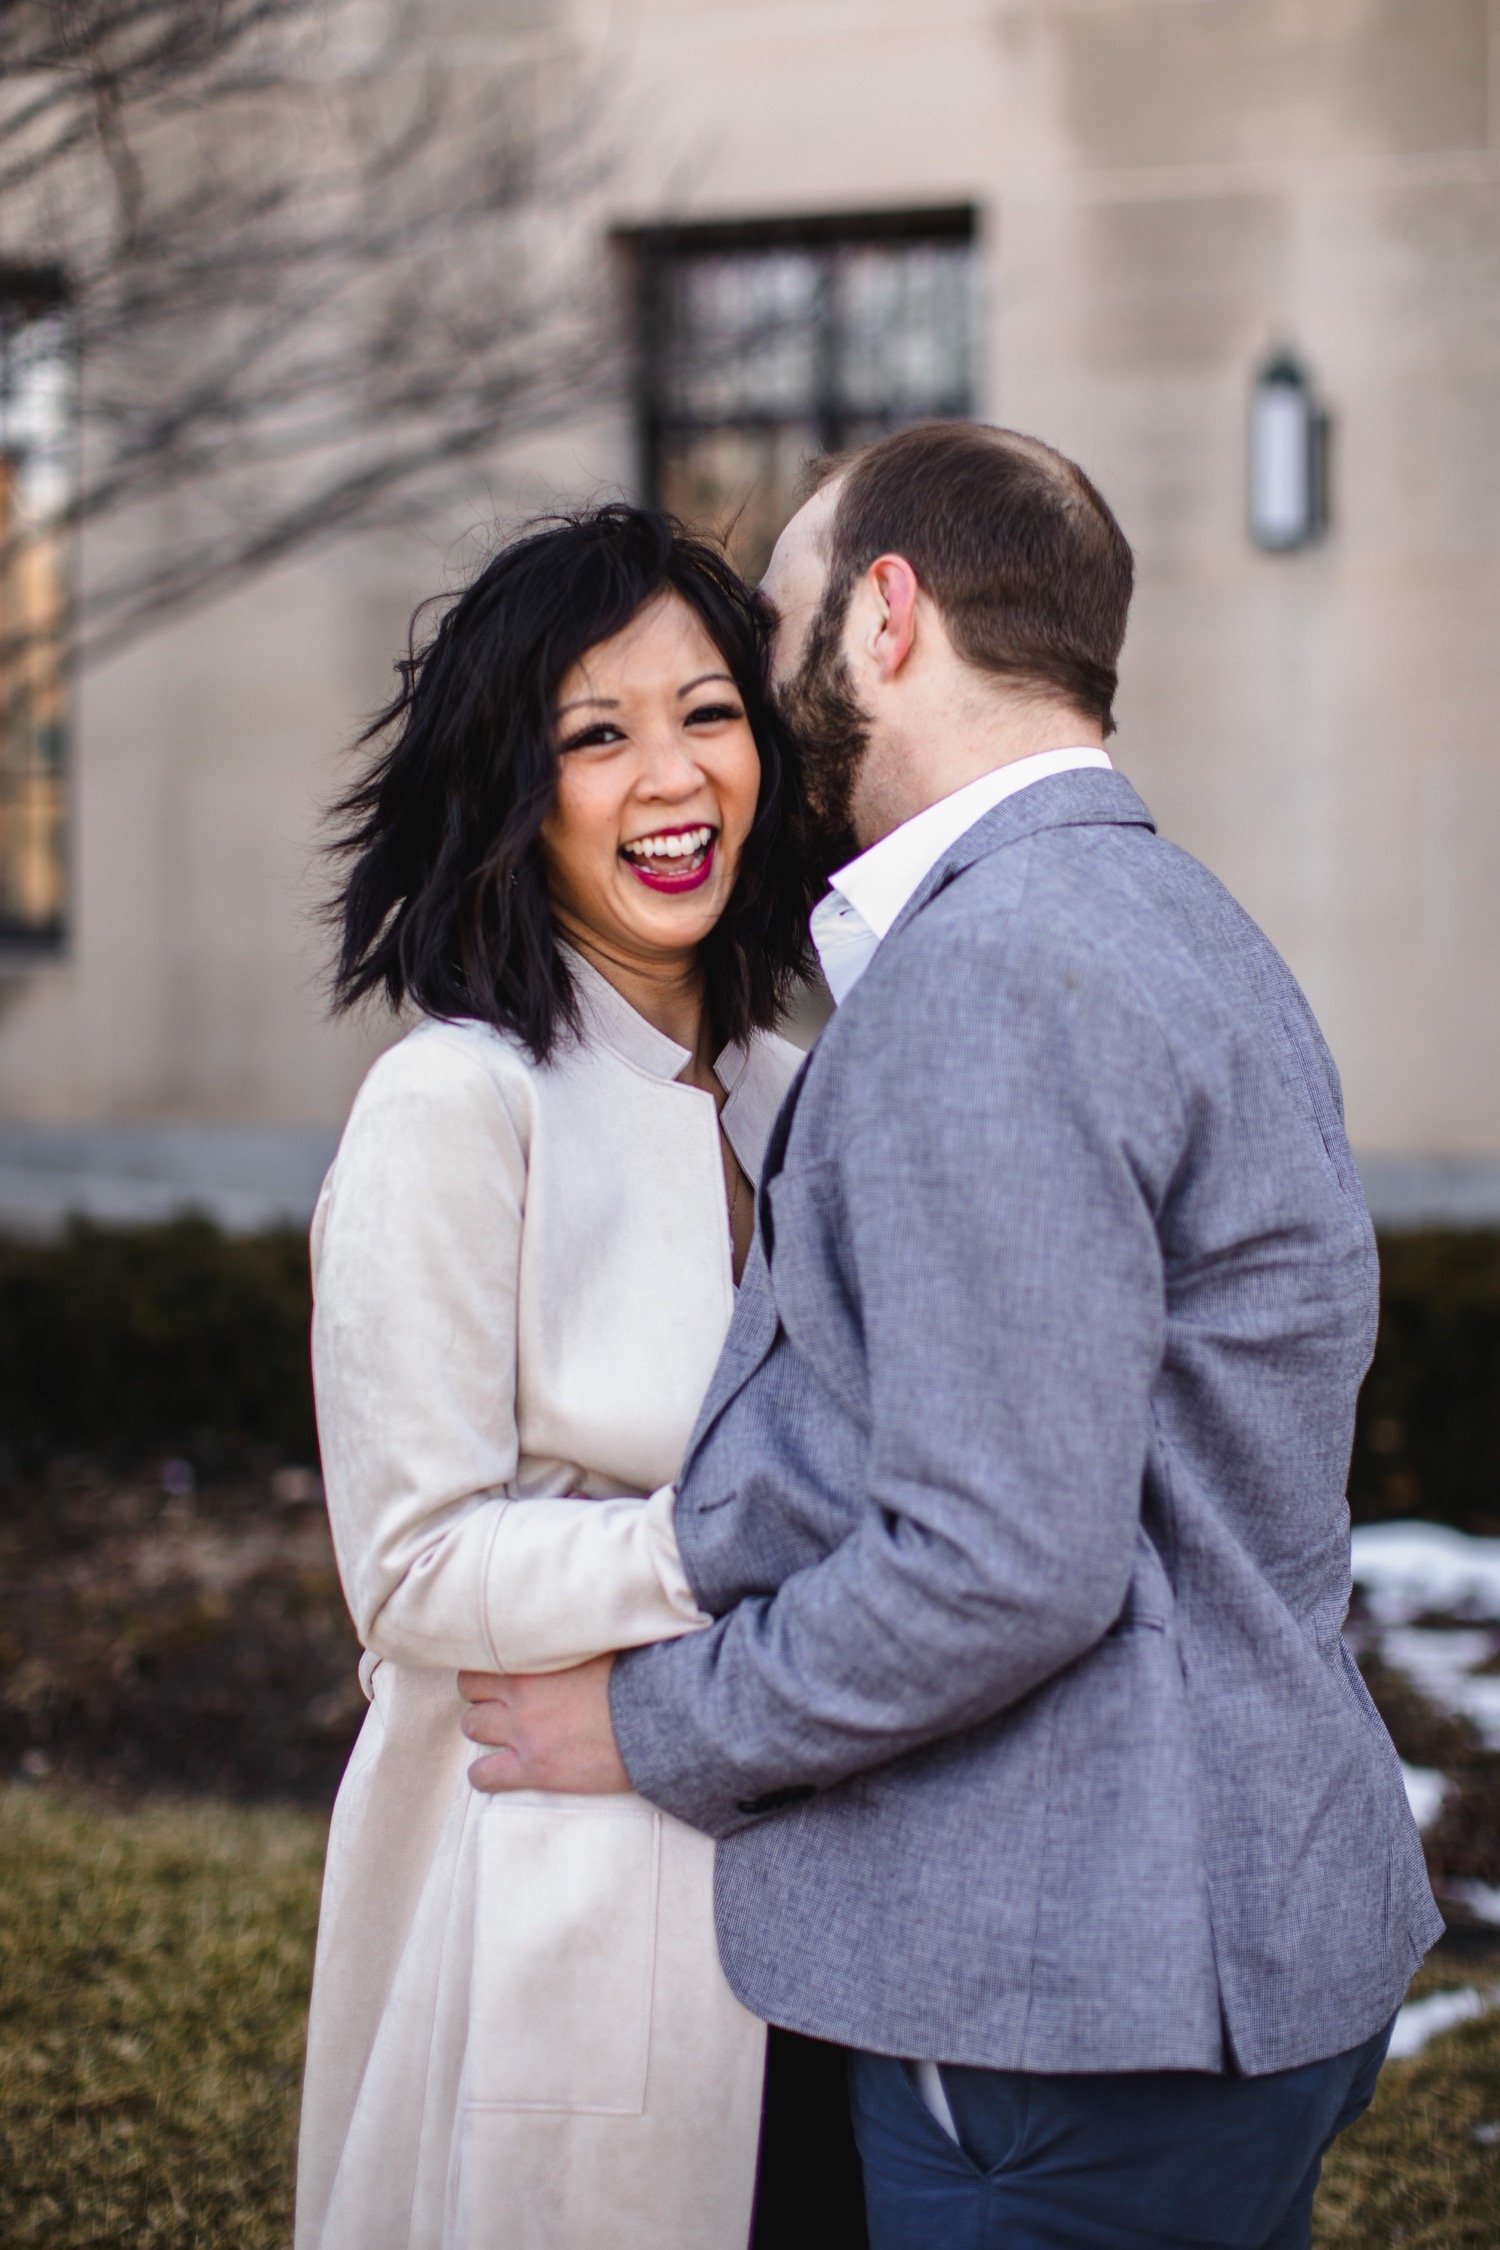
[154, 1970]
[153, 1982]
[1412, 2172]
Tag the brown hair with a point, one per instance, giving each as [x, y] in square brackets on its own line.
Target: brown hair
[1028, 567]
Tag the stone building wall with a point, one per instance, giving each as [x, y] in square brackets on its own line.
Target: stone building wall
[1167, 191]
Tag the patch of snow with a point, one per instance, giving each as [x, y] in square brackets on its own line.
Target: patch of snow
[1406, 1569]
[1481, 1899]
[1442, 1666]
[1425, 1792]
[1421, 2020]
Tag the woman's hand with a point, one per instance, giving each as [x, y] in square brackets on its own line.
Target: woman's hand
[544, 1730]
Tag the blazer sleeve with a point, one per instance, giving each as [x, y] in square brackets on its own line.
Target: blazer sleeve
[988, 1212]
[416, 1261]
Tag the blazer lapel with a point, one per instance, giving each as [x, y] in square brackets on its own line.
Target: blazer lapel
[1092, 797]
[752, 1332]
[754, 1327]
[775, 1152]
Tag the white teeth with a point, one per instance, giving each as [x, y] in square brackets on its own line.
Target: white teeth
[681, 846]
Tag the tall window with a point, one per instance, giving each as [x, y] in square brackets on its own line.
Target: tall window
[37, 412]
[763, 344]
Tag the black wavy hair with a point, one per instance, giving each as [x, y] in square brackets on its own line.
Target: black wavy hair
[444, 900]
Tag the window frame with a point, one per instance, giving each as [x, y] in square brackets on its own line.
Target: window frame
[654, 253]
[27, 293]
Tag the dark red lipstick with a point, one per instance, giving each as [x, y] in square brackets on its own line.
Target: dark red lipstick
[671, 868]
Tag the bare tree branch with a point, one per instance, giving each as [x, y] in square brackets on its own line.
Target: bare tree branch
[306, 295]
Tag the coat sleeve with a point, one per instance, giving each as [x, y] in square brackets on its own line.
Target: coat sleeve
[416, 1260]
[986, 1210]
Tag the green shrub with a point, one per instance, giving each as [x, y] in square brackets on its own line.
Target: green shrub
[1428, 1438]
[176, 1338]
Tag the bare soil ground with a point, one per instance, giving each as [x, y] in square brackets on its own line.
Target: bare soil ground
[156, 1637]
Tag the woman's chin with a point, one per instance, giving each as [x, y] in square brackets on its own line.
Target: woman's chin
[675, 929]
[672, 919]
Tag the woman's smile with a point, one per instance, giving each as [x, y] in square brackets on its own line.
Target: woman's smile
[672, 859]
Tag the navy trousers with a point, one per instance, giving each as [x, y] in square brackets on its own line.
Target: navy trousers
[1148, 2160]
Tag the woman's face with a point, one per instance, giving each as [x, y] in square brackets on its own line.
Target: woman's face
[658, 776]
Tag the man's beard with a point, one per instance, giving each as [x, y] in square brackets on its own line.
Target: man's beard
[829, 735]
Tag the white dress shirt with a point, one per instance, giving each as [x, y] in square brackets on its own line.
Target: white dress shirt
[865, 900]
[868, 894]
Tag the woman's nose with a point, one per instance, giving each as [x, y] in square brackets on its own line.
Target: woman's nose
[670, 768]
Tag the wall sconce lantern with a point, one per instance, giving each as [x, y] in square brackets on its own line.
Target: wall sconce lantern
[1288, 458]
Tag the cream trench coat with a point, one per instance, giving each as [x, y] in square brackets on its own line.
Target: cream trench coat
[521, 2038]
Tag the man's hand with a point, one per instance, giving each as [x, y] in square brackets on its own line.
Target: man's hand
[545, 1730]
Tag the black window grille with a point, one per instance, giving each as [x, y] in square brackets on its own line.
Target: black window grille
[763, 344]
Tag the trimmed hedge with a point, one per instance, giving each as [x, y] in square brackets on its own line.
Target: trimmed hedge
[120, 1341]
[1428, 1437]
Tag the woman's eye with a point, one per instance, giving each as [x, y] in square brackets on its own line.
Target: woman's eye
[713, 714]
[600, 736]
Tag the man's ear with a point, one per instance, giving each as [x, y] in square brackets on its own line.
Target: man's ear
[893, 583]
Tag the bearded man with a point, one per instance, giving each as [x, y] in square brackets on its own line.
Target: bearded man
[1042, 1780]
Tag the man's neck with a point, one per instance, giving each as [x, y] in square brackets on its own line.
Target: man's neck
[901, 774]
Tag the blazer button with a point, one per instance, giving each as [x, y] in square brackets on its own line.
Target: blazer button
[774, 1800]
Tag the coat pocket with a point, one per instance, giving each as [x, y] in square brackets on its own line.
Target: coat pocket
[564, 1955]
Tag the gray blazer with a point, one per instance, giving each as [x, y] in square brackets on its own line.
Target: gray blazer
[1026, 1729]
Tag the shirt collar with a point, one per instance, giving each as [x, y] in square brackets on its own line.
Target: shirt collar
[879, 883]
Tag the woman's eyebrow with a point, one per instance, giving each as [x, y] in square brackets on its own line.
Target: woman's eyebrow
[702, 680]
[604, 703]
